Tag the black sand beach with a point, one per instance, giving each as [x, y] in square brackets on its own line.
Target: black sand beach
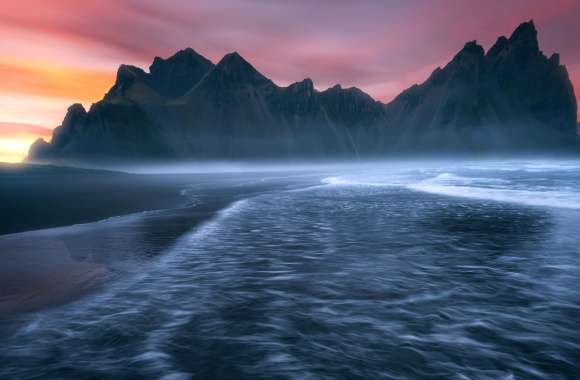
[48, 267]
[127, 220]
[42, 196]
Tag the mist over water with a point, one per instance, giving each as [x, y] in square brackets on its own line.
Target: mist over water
[459, 270]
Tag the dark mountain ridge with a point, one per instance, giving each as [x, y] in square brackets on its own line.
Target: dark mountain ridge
[511, 98]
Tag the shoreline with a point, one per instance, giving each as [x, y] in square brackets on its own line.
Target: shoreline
[39, 197]
[54, 266]
[59, 243]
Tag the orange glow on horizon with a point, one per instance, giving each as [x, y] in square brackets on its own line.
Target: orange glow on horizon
[53, 80]
[41, 84]
[16, 139]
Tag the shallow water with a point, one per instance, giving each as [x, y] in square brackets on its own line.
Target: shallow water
[396, 271]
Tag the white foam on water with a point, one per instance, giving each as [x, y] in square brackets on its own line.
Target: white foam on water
[109, 306]
[211, 225]
[479, 187]
[456, 186]
[525, 166]
[335, 181]
[154, 355]
[392, 180]
[549, 167]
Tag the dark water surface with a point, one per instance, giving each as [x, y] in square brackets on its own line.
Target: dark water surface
[465, 271]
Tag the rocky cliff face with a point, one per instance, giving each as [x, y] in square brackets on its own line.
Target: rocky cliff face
[237, 112]
[122, 126]
[231, 111]
[512, 97]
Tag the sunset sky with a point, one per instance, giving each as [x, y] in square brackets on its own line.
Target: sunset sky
[57, 52]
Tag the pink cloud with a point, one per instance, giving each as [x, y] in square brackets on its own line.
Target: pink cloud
[18, 130]
[372, 44]
[382, 47]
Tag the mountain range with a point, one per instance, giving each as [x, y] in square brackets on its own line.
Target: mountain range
[510, 98]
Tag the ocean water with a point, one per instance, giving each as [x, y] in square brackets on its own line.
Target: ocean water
[463, 270]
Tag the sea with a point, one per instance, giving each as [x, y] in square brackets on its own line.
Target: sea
[381, 270]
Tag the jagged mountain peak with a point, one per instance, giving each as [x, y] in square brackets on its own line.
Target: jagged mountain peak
[514, 85]
[126, 73]
[234, 69]
[186, 53]
[555, 59]
[234, 62]
[525, 31]
[76, 108]
[500, 46]
[74, 113]
[127, 76]
[129, 70]
[167, 78]
[472, 47]
[512, 97]
[307, 83]
[523, 42]
[234, 56]
[471, 50]
[338, 88]
[525, 38]
[177, 74]
[306, 86]
[465, 63]
[186, 56]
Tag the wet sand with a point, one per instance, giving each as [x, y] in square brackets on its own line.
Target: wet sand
[128, 220]
[42, 196]
[51, 266]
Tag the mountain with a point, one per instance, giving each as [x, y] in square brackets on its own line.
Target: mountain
[230, 110]
[511, 97]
